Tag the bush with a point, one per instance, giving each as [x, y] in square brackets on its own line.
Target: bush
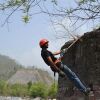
[31, 89]
[53, 90]
[18, 90]
[3, 87]
[38, 89]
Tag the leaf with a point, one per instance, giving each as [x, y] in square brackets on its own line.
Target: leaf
[18, 1]
[26, 18]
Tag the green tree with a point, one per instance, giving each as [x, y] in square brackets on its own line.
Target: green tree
[2, 85]
[29, 84]
[18, 90]
[38, 89]
[4, 88]
[53, 90]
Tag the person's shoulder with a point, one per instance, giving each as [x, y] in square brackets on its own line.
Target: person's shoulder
[44, 49]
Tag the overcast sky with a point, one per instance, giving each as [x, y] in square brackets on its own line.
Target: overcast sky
[20, 41]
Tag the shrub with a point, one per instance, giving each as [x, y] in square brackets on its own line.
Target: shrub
[53, 90]
[38, 89]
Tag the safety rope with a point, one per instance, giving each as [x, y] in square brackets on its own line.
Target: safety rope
[72, 44]
[54, 80]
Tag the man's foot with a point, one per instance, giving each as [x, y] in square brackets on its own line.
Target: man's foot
[87, 91]
[62, 74]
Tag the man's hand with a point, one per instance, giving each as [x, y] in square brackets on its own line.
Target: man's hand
[63, 50]
[61, 73]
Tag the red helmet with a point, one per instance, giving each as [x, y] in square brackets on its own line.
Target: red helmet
[43, 42]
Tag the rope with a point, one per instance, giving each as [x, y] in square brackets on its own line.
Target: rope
[54, 80]
[72, 44]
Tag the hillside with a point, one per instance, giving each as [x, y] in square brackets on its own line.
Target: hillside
[24, 76]
[15, 73]
[8, 67]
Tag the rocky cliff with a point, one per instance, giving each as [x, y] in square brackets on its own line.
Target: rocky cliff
[84, 59]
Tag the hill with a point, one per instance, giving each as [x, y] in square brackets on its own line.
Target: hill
[8, 67]
[25, 76]
[15, 73]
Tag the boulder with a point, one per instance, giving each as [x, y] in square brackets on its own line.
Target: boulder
[83, 57]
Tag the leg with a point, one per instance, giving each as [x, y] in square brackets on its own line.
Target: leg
[74, 78]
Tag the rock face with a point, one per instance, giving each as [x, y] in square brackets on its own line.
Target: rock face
[84, 59]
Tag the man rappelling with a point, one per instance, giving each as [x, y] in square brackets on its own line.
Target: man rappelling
[57, 66]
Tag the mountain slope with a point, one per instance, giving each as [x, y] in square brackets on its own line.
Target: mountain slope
[13, 72]
[8, 67]
[24, 76]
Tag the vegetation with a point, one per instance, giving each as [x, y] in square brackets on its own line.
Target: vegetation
[10, 66]
[88, 7]
[30, 89]
[52, 91]
[69, 17]
[38, 89]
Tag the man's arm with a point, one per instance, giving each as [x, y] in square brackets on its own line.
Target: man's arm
[57, 52]
[53, 65]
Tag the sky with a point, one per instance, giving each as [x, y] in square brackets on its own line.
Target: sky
[20, 41]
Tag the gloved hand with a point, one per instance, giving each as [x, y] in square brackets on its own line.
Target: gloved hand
[61, 73]
[63, 50]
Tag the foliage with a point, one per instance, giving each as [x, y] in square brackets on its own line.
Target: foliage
[29, 85]
[2, 86]
[38, 89]
[91, 6]
[53, 90]
[31, 89]
[26, 18]
[18, 90]
[83, 11]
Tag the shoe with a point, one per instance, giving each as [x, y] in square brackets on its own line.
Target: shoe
[62, 74]
[87, 91]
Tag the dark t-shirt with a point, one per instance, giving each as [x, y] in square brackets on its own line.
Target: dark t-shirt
[45, 54]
